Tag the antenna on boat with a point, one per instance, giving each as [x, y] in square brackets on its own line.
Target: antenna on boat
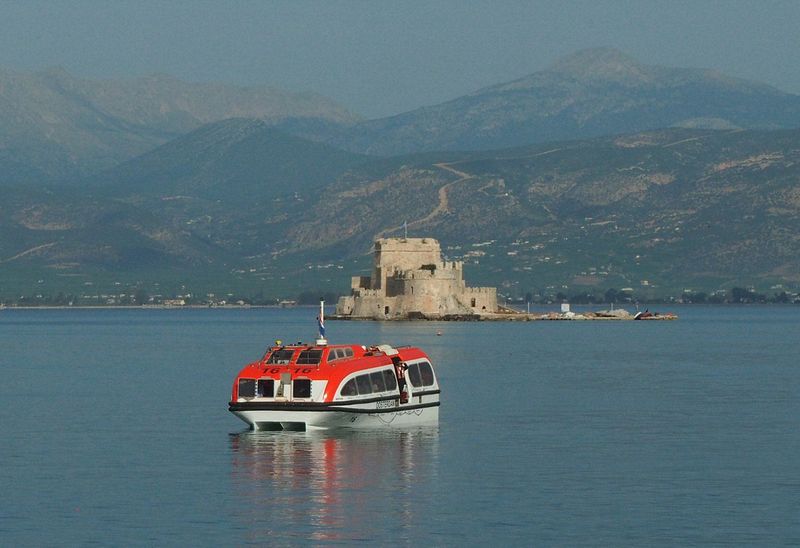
[321, 341]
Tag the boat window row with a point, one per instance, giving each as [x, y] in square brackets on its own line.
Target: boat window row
[420, 374]
[265, 388]
[370, 383]
[339, 353]
[309, 356]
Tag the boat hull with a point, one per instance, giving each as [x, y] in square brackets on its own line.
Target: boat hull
[360, 418]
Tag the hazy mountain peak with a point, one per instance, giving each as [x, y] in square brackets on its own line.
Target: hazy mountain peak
[53, 75]
[57, 125]
[600, 63]
[593, 92]
[56, 70]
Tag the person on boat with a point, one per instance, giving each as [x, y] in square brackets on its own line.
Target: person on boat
[400, 369]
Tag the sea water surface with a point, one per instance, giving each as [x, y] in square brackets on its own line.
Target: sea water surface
[114, 430]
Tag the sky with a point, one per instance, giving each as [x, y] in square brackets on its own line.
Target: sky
[380, 58]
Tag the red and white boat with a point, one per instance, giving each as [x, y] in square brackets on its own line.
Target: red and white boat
[320, 386]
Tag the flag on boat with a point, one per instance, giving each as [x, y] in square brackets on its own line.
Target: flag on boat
[321, 325]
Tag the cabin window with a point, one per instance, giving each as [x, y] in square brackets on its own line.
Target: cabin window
[378, 384]
[265, 388]
[339, 353]
[413, 374]
[301, 388]
[309, 357]
[389, 379]
[364, 385]
[349, 389]
[426, 372]
[247, 388]
[281, 356]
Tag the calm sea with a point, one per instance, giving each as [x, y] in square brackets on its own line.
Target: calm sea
[114, 430]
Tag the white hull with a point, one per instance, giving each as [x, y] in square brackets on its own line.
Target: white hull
[361, 419]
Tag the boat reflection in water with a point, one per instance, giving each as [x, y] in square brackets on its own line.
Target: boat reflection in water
[333, 486]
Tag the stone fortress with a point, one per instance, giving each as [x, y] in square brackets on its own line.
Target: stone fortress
[411, 281]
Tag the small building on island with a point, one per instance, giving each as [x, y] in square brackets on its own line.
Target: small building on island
[411, 281]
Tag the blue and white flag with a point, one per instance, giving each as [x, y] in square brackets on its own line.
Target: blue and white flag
[321, 325]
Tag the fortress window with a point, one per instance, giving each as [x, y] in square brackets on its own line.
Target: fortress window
[309, 357]
[281, 356]
[473, 303]
[413, 374]
[426, 373]
[364, 385]
[247, 388]
[349, 389]
[429, 267]
[390, 379]
[378, 384]
[301, 388]
[265, 388]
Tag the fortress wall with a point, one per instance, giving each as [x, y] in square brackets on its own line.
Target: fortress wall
[345, 305]
[477, 291]
[374, 306]
[360, 282]
[451, 265]
[432, 296]
[368, 293]
[395, 286]
[484, 298]
[437, 274]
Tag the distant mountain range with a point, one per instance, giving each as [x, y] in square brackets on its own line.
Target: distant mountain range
[591, 93]
[54, 126]
[245, 205]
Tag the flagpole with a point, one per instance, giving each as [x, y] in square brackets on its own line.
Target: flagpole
[321, 341]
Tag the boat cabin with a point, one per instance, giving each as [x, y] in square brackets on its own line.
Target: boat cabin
[336, 373]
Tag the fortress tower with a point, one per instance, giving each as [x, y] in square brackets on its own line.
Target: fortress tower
[410, 280]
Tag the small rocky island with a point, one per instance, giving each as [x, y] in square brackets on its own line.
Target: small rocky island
[410, 281]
